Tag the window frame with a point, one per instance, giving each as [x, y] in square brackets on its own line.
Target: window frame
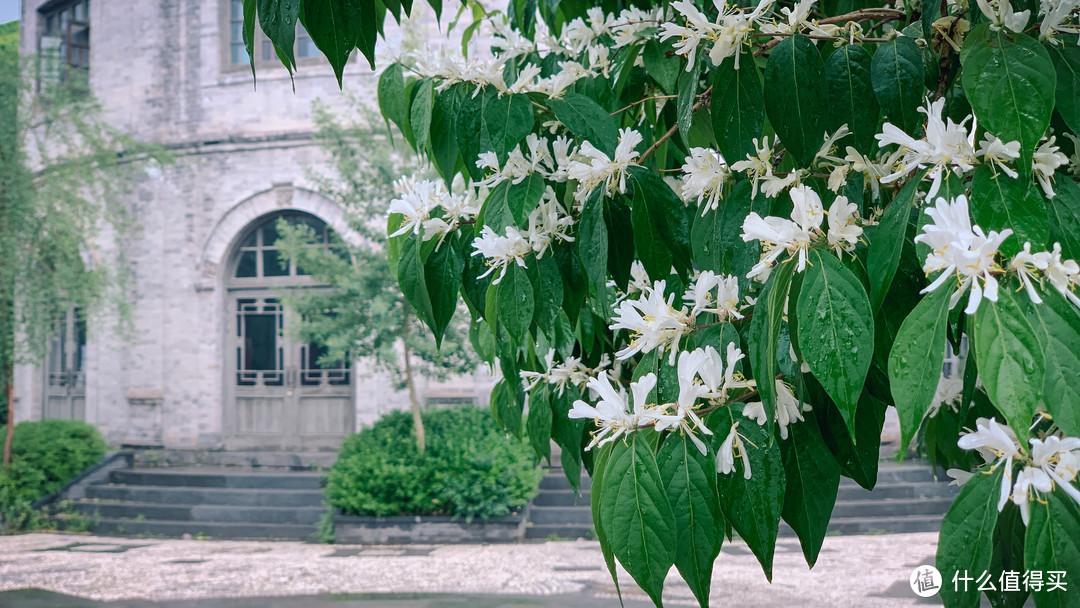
[226, 41]
[66, 64]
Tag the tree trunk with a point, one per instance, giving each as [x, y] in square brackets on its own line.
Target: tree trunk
[9, 390]
[414, 403]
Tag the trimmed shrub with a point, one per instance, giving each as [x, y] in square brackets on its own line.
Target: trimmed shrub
[469, 469]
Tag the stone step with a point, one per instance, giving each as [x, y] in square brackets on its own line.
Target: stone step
[897, 490]
[540, 515]
[555, 480]
[873, 509]
[214, 477]
[237, 497]
[568, 531]
[885, 525]
[224, 530]
[561, 498]
[292, 461]
[906, 473]
[200, 513]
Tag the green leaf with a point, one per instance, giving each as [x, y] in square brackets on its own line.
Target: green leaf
[796, 99]
[690, 482]
[1053, 544]
[277, 18]
[592, 241]
[836, 330]
[444, 147]
[848, 75]
[765, 332]
[510, 204]
[568, 434]
[664, 69]
[1057, 324]
[420, 112]
[752, 506]
[599, 466]
[884, 256]
[661, 225]
[393, 103]
[337, 27]
[1010, 82]
[966, 542]
[538, 424]
[1066, 58]
[634, 510]
[548, 287]
[684, 104]
[737, 105]
[915, 361]
[490, 122]
[1012, 363]
[412, 280]
[516, 302]
[249, 33]
[442, 277]
[1065, 217]
[999, 202]
[897, 74]
[586, 119]
[813, 478]
[715, 239]
[506, 408]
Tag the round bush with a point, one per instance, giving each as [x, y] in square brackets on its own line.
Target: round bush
[469, 469]
[47, 454]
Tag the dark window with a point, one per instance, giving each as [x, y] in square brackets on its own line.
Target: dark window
[258, 255]
[64, 45]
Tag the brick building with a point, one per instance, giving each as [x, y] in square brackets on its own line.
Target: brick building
[213, 364]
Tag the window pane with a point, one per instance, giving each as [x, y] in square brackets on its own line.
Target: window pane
[306, 48]
[237, 9]
[237, 31]
[246, 267]
[260, 342]
[272, 267]
[80, 11]
[267, 50]
[239, 53]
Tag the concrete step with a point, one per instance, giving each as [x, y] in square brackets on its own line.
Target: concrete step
[560, 515]
[201, 513]
[898, 490]
[555, 480]
[237, 497]
[294, 461]
[225, 530]
[560, 498]
[904, 473]
[570, 531]
[214, 477]
[873, 509]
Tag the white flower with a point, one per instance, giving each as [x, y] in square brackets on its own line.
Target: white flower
[548, 223]
[730, 449]
[706, 173]
[735, 25]
[959, 476]
[1053, 462]
[612, 414]
[1046, 160]
[948, 394]
[1026, 264]
[788, 409]
[998, 445]
[844, 232]
[997, 153]
[594, 167]
[945, 146]
[1000, 13]
[652, 322]
[685, 418]
[724, 303]
[416, 203]
[758, 167]
[960, 248]
[719, 377]
[1062, 274]
[779, 235]
[795, 19]
[499, 251]
[1055, 13]
[698, 28]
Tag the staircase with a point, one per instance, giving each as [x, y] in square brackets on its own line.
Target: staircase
[906, 498]
[217, 502]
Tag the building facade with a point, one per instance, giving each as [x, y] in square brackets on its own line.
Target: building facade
[213, 363]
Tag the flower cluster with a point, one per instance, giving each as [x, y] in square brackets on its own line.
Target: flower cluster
[945, 146]
[726, 34]
[706, 172]
[795, 236]
[427, 205]
[702, 374]
[548, 223]
[1053, 462]
[570, 372]
[590, 167]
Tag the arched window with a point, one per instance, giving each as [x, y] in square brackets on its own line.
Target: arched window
[258, 261]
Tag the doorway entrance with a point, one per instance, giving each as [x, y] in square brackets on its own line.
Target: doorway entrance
[280, 394]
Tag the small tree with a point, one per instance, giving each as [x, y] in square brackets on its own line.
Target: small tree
[63, 173]
[364, 316]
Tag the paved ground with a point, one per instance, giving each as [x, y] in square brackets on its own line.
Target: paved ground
[61, 571]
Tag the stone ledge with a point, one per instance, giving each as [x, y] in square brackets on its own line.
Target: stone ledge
[351, 529]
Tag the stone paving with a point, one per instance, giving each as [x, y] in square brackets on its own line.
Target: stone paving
[856, 571]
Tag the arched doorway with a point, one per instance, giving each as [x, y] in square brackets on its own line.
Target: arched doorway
[279, 396]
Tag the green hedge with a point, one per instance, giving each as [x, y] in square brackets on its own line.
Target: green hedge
[45, 455]
[469, 469]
